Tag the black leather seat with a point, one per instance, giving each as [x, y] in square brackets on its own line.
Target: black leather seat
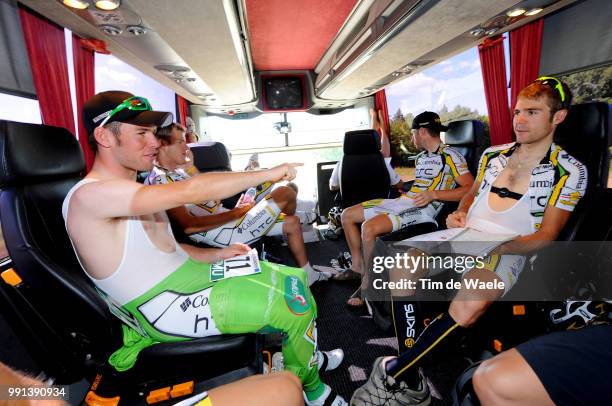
[585, 134]
[56, 311]
[363, 173]
[467, 137]
[213, 157]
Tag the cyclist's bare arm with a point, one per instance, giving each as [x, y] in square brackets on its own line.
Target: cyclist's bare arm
[120, 198]
[191, 224]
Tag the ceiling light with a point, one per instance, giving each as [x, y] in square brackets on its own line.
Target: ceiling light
[533, 12]
[136, 30]
[78, 4]
[477, 32]
[492, 31]
[396, 74]
[516, 12]
[108, 5]
[110, 29]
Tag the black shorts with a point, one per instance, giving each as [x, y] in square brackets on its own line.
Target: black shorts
[575, 367]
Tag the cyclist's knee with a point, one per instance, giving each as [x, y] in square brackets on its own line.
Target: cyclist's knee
[372, 229]
[283, 194]
[467, 312]
[351, 215]
[288, 387]
[491, 381]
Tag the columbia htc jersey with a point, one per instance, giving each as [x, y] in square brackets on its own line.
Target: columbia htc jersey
[265, 218]
[437, 170]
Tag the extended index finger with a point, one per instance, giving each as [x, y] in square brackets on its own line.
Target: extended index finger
[296, 164]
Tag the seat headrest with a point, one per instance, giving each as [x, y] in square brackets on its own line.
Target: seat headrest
[30, 153]
[585, 128]
[461, 132]
[361, 142]
[211, 156]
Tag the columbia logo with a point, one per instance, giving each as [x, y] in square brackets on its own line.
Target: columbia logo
[185, 305]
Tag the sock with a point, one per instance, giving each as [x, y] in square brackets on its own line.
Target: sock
[315, 393]
[408, 322]
[441, 329]
[313, 275]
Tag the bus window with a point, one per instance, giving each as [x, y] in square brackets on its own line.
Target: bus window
[453, 88]
[22, 109]
[312, 139]
[114, 74]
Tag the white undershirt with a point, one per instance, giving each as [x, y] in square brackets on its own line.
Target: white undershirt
[515, 220]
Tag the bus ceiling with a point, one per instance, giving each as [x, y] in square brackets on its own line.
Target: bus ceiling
[218, 54]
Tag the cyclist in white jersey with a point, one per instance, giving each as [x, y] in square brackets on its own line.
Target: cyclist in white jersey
[209, 222]
[439, 169]
[528, 188]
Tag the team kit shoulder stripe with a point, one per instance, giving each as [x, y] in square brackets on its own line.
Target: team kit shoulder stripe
[490, 153]
[458, 161]
[561, 176]
[451, 165]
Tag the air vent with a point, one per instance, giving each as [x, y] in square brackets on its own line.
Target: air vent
[110, 29]
[421, 62]
[173, 69]
[136, 30]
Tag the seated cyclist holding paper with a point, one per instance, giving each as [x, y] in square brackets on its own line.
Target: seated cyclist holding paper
[164, 291]
[256, 215]
[528, 188]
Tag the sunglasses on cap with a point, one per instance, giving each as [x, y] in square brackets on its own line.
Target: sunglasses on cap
[135, 103]
[554, 84]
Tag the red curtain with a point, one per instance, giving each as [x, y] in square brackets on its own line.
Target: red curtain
[381, 104]
[47, 52]
[525, 47]
[183, 109]
[84, 79]
[493, 66]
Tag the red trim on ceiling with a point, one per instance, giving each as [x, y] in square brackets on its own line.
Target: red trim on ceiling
[294, 34]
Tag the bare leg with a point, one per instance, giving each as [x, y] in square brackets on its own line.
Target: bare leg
[284, 197]
[467, 307]
[375, 119]
[507, 379]
[293, 230]
[280, 389]
[351, 219]
[370, 230]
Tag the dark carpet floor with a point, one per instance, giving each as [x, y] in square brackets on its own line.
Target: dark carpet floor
[355, 332]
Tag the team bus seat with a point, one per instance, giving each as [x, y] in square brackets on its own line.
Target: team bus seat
[55, 310]
[585, 134]
[211, 156]
[363, 173]
[467, 137]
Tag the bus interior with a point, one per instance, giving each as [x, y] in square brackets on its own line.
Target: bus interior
[280, 81]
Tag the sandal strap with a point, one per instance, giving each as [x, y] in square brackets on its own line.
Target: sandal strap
[324, 362]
